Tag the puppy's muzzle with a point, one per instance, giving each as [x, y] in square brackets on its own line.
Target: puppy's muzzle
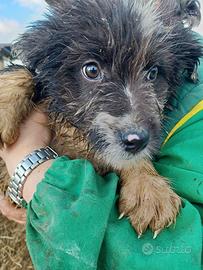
[134, 141]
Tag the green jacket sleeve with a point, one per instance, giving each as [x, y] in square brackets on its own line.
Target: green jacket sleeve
[73, 224]
[68, 216]
[181, 160]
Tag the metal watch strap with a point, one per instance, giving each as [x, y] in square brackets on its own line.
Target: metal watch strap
[24, 168]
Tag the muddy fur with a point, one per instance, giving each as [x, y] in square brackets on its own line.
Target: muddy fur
[88, 117]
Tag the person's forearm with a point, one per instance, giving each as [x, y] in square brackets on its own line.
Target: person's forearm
[34, 134]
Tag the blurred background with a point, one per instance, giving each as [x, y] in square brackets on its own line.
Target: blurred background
[15, 15]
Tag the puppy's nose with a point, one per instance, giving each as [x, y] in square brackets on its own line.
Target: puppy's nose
[135, 141]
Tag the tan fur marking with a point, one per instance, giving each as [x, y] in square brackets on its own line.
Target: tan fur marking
[16, 89]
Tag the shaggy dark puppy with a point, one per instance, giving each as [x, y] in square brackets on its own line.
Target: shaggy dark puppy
[104, 71]
[102, 63]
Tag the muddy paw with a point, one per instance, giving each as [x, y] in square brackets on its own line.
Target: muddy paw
[149, 203]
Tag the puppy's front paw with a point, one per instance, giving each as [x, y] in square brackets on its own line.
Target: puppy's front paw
[150, 203]
[16, 91]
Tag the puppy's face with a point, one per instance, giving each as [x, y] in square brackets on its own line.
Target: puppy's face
[108, 68]
[119, 99]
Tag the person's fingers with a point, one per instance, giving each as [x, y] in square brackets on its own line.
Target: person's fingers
[11, 212]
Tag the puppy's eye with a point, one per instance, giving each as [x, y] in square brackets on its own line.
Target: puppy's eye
[92, 71]
[152, 74]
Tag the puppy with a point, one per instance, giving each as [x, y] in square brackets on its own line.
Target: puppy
[104, 72]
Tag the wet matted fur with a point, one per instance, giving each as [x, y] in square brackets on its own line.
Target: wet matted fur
[127, 42]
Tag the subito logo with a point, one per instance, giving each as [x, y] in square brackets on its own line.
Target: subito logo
[147, 249]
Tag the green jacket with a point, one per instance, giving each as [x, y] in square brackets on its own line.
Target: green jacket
[73, 219]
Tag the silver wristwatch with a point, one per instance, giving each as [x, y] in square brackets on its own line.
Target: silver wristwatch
[24, 168]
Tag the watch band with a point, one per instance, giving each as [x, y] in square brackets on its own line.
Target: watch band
[24, 168]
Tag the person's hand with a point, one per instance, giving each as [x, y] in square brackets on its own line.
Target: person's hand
[34, 134]
[11, 212]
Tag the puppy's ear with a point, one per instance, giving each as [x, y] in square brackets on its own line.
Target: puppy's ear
[190, 12]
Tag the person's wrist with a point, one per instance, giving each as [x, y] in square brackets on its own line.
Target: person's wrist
[34, 179]
[15, 154]
[29, 172]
